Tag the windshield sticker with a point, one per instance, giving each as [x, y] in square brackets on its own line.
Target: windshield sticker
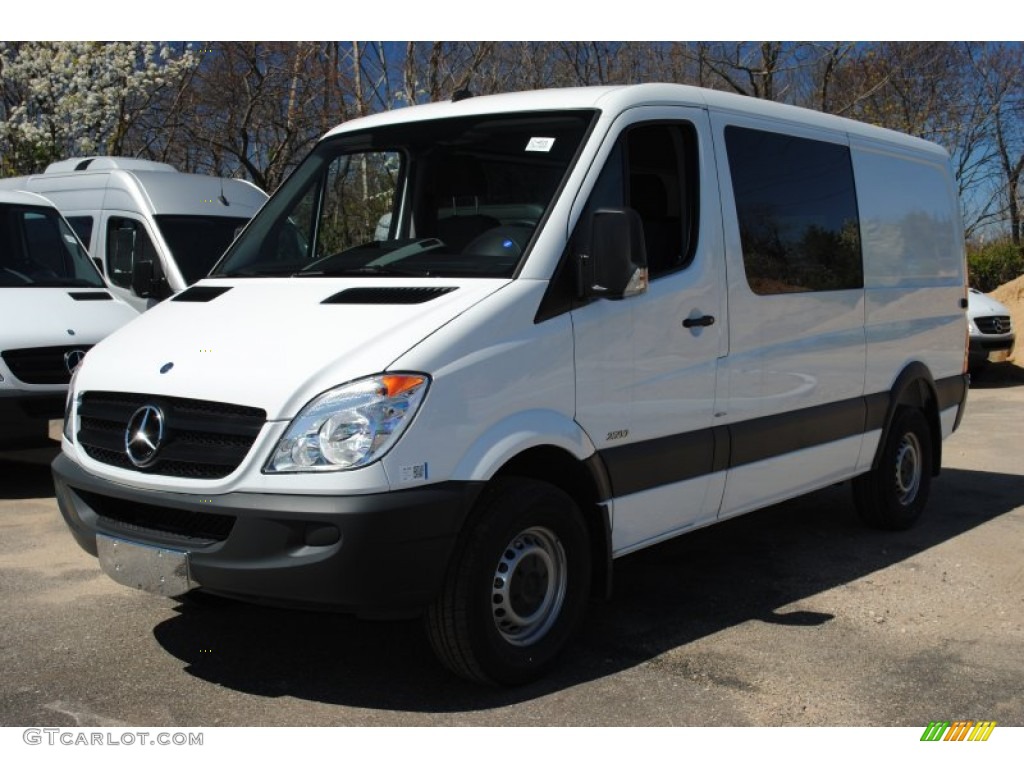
[540, 144]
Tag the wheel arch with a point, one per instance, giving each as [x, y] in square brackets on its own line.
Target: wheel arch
[587, 483]
[914, 388]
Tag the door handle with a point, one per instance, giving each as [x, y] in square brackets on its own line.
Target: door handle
[699, 322]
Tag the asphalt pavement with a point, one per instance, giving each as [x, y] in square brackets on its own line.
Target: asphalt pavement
[793, 615]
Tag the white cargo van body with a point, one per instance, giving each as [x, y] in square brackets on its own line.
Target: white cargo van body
[127, 210]
[598, 318]
[54, 307]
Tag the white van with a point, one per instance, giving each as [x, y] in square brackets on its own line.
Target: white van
[600, 318]
[53, 307]
[991, 330]
[152, 231]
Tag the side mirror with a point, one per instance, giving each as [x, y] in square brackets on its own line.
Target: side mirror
[142, 279]
[148, 281]
[616, 265]
[121, 256]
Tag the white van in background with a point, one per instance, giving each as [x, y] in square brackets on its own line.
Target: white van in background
[596, 319]
[991, 329]
[54, 307]
[152, 230]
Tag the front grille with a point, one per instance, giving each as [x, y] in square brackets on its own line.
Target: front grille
[202, 439]
[994, 324]
[41, 365]
[123, 516]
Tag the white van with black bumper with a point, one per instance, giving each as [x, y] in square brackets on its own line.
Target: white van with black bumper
[54, 307]
[470, 353]
[151, 230]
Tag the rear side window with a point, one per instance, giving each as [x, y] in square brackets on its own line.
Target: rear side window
[796, 205]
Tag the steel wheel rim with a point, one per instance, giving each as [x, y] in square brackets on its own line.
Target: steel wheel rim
[908, 469]
[529, 586]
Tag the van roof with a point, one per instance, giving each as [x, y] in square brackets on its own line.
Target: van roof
[617, 98]
[14, 197]
[107, 163]
[154, 191]
[198, 195]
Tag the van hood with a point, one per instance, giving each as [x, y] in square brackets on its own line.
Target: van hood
[980, 305]
[275, 343]
[57, 317]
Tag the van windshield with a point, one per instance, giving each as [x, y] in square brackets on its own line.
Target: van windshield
[196, 242]
[452, 197]
[38, 249]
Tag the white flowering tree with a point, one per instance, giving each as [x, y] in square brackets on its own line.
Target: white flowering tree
[63, 99]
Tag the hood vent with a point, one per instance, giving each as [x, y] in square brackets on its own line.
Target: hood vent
[90, 296]
[398, 295]
[202, 293]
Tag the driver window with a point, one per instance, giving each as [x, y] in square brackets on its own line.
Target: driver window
[127, 242]
[651, 170]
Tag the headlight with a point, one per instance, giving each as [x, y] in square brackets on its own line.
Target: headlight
[351, 425]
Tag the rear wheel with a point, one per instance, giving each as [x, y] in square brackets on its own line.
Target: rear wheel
[517, 585]
[893, 495]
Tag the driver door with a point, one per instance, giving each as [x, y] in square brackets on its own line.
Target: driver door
[646, 365]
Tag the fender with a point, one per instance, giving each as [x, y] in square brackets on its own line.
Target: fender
[914, 387]
[517, 433]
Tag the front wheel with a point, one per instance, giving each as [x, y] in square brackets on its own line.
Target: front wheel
[517, 585]
[893, 495]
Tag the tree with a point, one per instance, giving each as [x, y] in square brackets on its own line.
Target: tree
[934, 90]
[255, 109]
[1001, 68]
[61, 99]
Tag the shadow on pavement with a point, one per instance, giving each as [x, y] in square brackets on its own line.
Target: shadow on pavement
[997, 376]
[665, 597]
[26, 474]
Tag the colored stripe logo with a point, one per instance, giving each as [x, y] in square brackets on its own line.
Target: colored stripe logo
[958, 730]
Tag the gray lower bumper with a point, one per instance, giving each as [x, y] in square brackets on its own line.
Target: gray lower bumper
[378, 553]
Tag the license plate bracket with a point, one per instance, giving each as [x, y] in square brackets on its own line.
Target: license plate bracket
[141, 566]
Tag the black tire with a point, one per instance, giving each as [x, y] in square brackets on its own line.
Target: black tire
[893, 496]
[517, 586]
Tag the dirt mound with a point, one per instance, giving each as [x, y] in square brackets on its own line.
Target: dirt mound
[1012, 295]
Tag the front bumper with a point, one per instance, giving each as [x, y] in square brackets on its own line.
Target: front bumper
[376, 554]
[981, 346]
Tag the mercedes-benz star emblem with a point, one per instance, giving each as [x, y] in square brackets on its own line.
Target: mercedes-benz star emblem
[144, 434]
[73, 359]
